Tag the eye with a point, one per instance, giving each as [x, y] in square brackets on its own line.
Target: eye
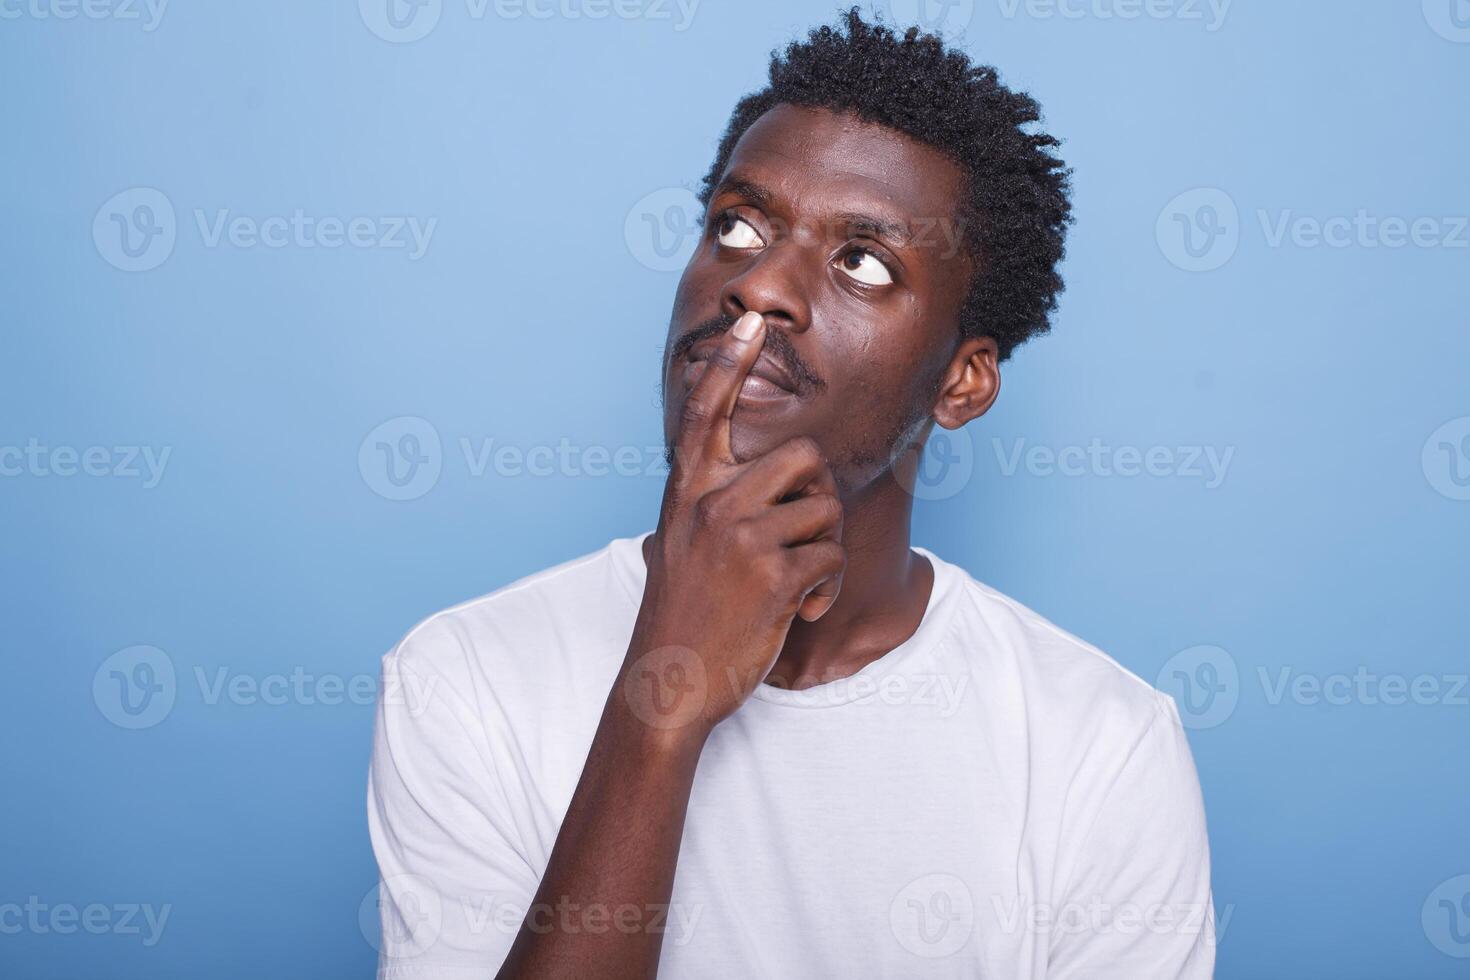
[865, 267]
[735, 232]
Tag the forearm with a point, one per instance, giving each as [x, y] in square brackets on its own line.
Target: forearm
[742, 547]
[612, 866]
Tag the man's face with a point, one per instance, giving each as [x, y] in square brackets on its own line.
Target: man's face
[842, 234]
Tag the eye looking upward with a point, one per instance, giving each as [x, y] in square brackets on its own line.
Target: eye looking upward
[860, 264]
[733, 231]
[868, 269]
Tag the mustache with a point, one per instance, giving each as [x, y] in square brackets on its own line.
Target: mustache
[777, 345]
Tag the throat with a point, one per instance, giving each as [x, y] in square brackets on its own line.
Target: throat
[874, 614]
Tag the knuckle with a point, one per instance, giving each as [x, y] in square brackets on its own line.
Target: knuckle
[709, 510]
[827, 558]
[723, 359]
[829, 508]
[696, 410]
[774, 569]
[805, 448]
[744, 536]
[837, 558]
[686, 460]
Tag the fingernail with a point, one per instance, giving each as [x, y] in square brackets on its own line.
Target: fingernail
[745, 328]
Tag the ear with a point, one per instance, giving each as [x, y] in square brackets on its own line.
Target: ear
[971, 382]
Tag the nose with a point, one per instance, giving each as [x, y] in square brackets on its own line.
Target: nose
[775, 283]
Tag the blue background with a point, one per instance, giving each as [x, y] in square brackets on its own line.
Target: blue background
[1330, 547]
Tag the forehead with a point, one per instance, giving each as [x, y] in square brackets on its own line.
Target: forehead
[817, 160]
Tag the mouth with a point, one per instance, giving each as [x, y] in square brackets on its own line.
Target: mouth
[767, 382]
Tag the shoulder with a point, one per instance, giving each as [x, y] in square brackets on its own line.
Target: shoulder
[537, 621]
[1058, 679]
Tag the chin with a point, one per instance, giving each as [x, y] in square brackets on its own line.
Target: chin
[752, 437]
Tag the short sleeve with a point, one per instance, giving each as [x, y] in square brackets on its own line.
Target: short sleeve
[1138, 902]
[454, 884]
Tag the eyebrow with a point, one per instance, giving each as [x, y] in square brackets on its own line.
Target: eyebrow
[741, 187]
[877, 227]
[850, 221]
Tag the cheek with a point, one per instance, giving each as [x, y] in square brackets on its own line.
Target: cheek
[878, 347]
[888, 381]
[680, 312]
[699, 284]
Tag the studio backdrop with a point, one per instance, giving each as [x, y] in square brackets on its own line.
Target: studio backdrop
[320, 317]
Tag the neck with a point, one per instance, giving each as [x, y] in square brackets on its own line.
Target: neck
[885, 591]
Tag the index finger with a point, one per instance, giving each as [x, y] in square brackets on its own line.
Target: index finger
[707, 409]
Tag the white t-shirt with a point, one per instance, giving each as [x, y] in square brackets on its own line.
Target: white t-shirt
[993, 798]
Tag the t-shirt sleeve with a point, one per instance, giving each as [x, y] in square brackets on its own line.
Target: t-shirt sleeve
[1138, 902]
[454, 883]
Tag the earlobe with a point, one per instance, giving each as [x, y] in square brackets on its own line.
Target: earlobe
[971, 383]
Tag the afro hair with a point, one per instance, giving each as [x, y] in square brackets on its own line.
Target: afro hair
[1015, 219]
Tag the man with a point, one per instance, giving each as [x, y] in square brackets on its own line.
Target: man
[770, 738]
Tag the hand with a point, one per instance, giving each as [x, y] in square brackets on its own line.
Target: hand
[741, 547]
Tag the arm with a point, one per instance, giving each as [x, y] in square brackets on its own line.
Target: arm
[741, 549]
[1141, 885]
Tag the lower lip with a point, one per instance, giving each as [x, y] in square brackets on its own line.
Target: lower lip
[753, 391]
